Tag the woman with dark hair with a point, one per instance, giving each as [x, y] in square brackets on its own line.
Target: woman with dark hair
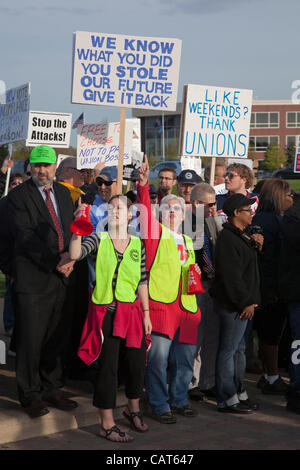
[118, 316]
[274, 199]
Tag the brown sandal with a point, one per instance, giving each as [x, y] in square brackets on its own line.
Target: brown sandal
[117, 431]
[130, 417]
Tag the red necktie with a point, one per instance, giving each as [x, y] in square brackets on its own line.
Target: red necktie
[55, 220]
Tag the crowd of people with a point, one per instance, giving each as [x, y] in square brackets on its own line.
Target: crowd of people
[113, 306]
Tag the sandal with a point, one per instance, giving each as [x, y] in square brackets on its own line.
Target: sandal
[136, 414]
[125, 437]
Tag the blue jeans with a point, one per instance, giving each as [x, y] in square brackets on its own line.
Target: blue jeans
[231, 359]
[294, 311]
[180, 357]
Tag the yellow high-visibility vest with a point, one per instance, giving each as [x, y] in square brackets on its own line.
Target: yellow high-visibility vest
[166, 272]
[129, 271]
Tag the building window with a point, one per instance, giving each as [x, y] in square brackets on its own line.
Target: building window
[291, 140]
[260, 143]
[264, 120]
[292, 119]
[154, 135]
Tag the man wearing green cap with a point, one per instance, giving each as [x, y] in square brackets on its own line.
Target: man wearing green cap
[41, 212]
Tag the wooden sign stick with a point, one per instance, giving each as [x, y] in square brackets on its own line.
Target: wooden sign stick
[212, 171]
[121, 148]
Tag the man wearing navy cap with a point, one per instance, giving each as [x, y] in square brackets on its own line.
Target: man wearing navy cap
[187, 179]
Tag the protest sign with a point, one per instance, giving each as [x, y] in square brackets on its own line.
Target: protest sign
[191, 163]
[247, 161]
[14, 114]
[100, 143]
[131, 172]
[220, 189]
[125, 71]
[216, 121]
[136, 138]
[49, 129]
[297, 156]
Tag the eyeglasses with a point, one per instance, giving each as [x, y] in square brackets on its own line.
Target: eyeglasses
[209, 204]
[153, 196]
[106, 183]
[245, 210]
[165, 178]
[230, 175]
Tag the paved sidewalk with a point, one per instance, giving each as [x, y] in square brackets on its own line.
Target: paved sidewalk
[272, 427]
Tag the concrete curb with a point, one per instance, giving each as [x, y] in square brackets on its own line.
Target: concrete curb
[15, 425]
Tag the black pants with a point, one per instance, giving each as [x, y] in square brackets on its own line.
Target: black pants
[133, 364]
[40, 333]
[270, 321]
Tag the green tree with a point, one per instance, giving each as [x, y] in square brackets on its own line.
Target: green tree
[290, 151]
[274, 158]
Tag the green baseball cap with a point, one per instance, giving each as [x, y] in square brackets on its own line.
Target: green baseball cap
[42, 154]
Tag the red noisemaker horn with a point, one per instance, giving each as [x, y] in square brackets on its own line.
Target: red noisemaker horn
[194, 284]
[82, 225]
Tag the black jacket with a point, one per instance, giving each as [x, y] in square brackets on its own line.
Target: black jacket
[289, 259]
[2, 182]
[36, 252]
[236, 284]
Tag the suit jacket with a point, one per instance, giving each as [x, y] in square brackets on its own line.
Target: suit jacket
[36, 252]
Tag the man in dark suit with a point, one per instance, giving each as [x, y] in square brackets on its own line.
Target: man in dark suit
[41, 213]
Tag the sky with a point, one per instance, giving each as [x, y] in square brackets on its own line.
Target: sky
[252, 44]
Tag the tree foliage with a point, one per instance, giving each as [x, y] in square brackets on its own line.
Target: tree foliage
[275, 157]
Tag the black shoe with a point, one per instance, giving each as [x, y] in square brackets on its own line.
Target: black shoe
[279, 387]
[185, 410]
[209, 393]
[61, 402]
[250, 404]
[196, 394]
[165, 418]
[36, 409]
[293, 405]
[262, 382]
[236, 409]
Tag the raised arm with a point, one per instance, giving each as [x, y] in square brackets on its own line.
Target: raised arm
[150, 227]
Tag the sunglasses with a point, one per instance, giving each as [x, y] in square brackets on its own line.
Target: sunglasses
[209, 204]
[106, 183]
[230, 175]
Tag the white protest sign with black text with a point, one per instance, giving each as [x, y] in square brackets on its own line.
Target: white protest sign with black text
[125, 71]
[14, 114]
[216, 121]
[100, 143]
[49, 129]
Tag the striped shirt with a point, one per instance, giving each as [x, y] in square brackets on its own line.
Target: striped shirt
[90, 246]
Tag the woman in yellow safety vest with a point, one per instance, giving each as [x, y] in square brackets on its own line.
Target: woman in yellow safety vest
[118, 317]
